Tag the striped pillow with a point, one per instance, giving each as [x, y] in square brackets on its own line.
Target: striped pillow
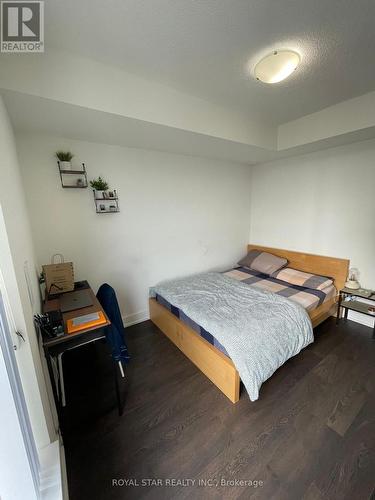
[263, 262]
[307, 280]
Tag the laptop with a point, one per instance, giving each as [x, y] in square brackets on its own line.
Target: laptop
[75, 300]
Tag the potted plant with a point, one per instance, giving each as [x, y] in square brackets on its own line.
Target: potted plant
[65, 159]
[100, 185]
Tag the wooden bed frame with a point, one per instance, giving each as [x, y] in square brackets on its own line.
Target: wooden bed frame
[218, 367]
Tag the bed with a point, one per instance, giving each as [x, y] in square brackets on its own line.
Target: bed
[208, 354]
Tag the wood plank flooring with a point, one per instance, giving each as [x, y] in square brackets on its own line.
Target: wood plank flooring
[310, 436]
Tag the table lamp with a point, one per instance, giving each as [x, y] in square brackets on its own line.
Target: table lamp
[353, 282]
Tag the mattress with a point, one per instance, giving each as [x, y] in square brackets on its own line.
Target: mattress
[308, 298]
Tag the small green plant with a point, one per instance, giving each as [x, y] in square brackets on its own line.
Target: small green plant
[64, 155]
[99, 184]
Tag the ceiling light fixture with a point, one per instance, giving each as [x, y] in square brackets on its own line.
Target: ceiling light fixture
[277, 66]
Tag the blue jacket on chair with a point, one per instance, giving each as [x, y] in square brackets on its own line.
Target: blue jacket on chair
[115, 331]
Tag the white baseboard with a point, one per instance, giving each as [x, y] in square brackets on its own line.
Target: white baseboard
[135, 318]
[51, 481]
[64, 475]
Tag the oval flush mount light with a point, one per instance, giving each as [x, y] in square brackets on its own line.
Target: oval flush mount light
[277, 66]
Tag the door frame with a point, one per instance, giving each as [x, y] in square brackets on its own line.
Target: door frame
[7, 352]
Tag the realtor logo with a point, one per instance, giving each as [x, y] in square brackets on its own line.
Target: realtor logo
[22, 26]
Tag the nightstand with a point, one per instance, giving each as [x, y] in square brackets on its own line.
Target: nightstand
[354, 305]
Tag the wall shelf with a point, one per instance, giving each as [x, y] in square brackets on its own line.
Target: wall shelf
[102, 204]
[80, 181]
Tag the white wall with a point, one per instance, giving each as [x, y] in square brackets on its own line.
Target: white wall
[15, 249]
[179, 215]
[321, 203]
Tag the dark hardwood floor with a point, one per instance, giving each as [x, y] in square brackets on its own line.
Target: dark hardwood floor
[311, 435]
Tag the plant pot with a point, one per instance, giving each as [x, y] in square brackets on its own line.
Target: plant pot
[65, 165]
[99, 194]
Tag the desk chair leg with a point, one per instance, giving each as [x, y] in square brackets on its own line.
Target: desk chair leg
[62, 385]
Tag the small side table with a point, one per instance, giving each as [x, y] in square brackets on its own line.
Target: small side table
[354, 305]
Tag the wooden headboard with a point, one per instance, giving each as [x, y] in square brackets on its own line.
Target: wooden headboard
[335, 268]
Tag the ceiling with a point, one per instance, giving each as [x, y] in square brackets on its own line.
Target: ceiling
[207, 47]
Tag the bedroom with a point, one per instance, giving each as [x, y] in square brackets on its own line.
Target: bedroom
[202, 160]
